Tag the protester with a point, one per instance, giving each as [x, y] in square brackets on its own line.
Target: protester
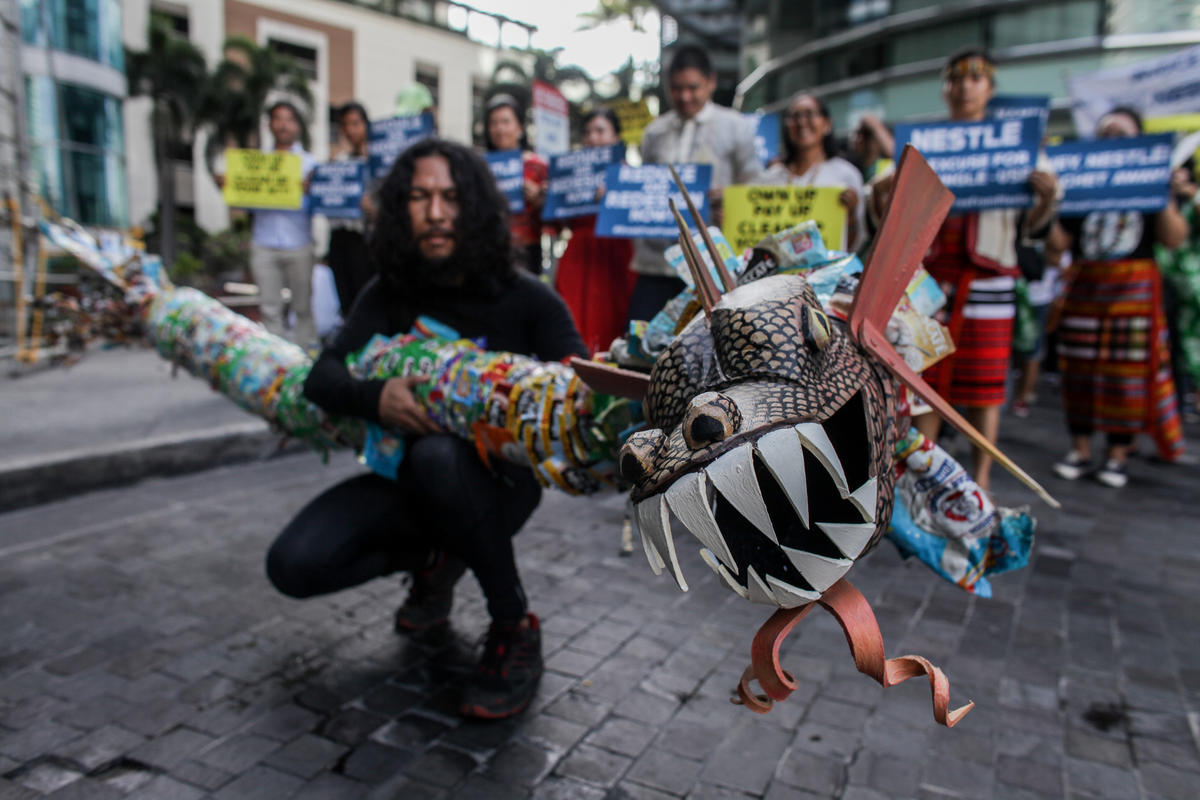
[809, 160]
[504, 129]
[1181, 292]
[593, 274]
[443, 248]
[348, 258]
[1041, 282]
[974, 259]
[281, 247]
[695, 131]
[1112, 344]
[871, 146]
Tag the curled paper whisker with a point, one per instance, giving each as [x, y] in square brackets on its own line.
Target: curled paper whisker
[854, 614]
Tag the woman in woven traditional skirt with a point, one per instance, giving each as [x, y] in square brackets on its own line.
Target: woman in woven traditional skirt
[1112, 341]
[974, 259]
[593, 274]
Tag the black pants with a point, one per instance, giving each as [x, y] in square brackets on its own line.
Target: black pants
[351, 265]
[651, 293]
[444, 498]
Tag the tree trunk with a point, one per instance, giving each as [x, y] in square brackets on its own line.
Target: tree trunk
[166, 189]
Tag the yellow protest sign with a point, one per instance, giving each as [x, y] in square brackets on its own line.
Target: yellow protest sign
[755, 212]
[634, 118]
[1185, 123]
[254, 179]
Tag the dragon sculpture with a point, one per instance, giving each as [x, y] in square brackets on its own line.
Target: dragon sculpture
[770, 426]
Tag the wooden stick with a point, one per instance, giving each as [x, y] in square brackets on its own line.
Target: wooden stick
[706, 290]
[709, 244]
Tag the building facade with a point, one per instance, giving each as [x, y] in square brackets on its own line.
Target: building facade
[884, 56]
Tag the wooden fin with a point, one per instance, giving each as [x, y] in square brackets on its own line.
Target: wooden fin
[919, 204]
[607, 379]
[726, 278]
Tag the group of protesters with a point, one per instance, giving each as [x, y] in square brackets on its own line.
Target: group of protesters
[435, 246]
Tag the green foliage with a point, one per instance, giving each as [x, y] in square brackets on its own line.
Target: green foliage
[633, 11]
[172, 72]
[239, 89]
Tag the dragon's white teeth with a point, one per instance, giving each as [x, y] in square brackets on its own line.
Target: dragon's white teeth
[688, 498]
[819, 571]
[790, 596]
[719, 568]
[786, 462]
[759, 591]
[817, 441]
[865, 497]
[733, 475]
[652, 557]
[849, 538]
[654, 521]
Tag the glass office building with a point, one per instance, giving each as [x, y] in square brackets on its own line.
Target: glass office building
[74, 72]
[885, 56]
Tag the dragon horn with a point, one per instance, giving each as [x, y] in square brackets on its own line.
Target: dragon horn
[709, 244]
[706, 289]
[919, 204]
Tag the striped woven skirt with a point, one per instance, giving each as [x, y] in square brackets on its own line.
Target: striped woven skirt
[1114, 356]
[982, 327]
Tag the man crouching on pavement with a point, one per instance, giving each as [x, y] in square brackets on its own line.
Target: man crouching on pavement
[441, 243]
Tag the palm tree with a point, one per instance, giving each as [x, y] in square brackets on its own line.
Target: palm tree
[238, 92]
[172, 73]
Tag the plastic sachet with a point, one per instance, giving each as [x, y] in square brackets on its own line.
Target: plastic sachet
[942, 517]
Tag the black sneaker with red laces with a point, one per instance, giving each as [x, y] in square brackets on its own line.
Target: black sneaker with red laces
[507, 676]
[432, 595]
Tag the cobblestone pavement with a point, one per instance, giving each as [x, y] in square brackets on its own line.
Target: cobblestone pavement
[144, 655]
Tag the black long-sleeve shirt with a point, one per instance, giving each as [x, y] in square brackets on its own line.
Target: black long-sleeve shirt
[527, 317]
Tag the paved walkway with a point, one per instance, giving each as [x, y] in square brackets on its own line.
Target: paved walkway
[144, 655]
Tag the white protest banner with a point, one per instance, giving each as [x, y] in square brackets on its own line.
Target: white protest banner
[550, 117]
[1155, 87]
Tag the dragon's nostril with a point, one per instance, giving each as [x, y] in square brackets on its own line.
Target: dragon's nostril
[711, 417]
[640, 453]
[705, 428]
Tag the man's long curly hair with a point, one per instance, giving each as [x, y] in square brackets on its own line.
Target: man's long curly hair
[483, 241]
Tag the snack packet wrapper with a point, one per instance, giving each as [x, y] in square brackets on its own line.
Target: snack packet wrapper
[944, 519]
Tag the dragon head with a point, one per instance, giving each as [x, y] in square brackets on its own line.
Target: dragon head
[769, 437]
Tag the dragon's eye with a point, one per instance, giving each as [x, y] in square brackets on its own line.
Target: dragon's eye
[711, 417]
[640, 453]
[818, 330]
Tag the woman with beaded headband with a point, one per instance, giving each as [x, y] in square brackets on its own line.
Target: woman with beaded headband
[974, 259]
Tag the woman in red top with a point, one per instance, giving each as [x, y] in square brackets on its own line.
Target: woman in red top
[593, 274]
[504, 129]
[974, 259]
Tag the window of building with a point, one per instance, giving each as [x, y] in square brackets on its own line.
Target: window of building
[87, 28]
[936, 42]
[428, 76]
[175, 16]
[1046, 23]
[304, 56]
[80, 158]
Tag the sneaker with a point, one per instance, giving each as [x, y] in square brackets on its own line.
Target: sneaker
[1020, 409]
[1112, 474]
[1071, 467]
[431, 596]
[507, 676]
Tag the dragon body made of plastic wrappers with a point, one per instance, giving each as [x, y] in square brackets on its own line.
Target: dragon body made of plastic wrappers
[769, 425]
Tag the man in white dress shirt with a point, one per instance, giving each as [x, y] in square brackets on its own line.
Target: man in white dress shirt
[695, 131]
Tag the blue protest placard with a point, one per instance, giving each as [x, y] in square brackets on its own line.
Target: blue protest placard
[391, 137]
[766, 136]
[986, 164]
[635, 199]
[1113, 174]
[508, 168]
[575, 178]
[336, 189]
[1020, 106]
